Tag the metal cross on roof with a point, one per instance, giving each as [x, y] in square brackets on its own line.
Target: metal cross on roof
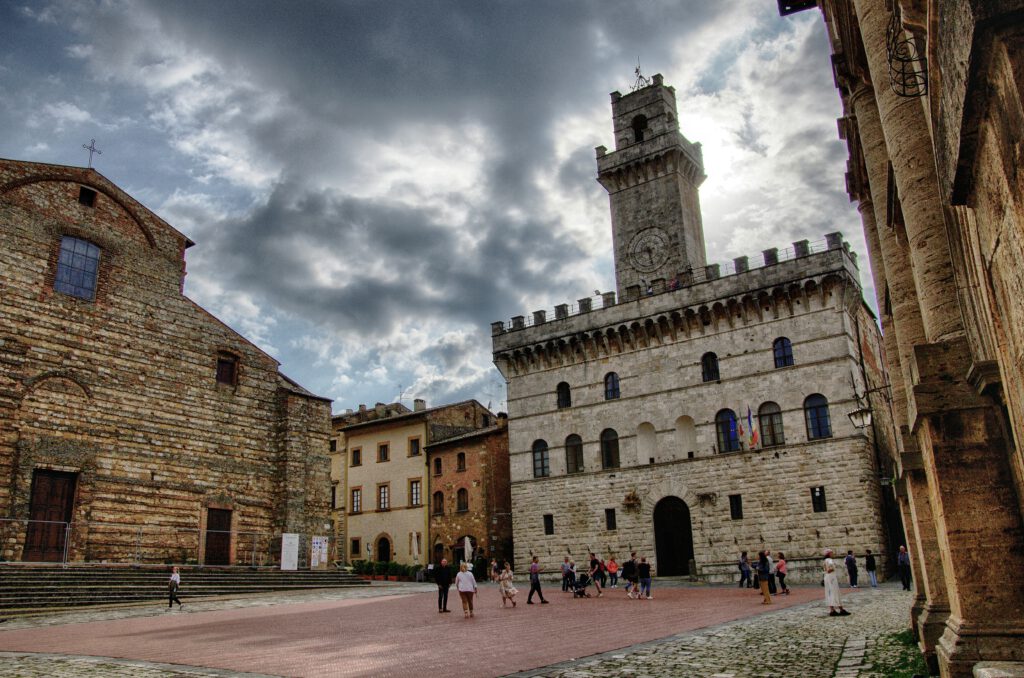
[92, 149]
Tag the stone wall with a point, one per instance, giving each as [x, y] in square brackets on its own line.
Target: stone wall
[123, 389]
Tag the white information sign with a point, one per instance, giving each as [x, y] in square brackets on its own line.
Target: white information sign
[318, 554]
[289, 551]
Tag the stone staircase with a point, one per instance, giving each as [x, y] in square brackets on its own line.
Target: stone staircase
[31, 589]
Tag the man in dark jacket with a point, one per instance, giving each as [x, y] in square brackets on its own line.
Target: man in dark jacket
[870, 566]
[443, 578]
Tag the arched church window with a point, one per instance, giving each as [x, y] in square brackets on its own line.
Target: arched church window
[769, 417]
[783, 350]
[609, 448]
[818, 422]
[574, 454]
[541, 467]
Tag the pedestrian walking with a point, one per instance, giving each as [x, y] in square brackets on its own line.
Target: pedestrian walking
[780, 571]
[613, 572]
[603, 573]
[903, 564]
[771, 572]
[465, 584]
[762, 576]
[744, 566]
[832, 598]
[595, 572]
[870, 566]
[443, 579]
[535, 570]
[495, 569]
[566, 569]
[629, 574]
[851, 568]
[173, 584]
[508, 591]
[643, 571]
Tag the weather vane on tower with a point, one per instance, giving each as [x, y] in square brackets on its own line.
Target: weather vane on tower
[641, 81]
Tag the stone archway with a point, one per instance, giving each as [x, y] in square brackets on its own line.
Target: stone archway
[673, 537]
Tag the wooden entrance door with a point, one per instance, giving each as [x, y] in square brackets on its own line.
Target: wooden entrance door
[218, 537]
[53, 500]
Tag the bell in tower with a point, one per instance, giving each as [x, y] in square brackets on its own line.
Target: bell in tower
[652, 178]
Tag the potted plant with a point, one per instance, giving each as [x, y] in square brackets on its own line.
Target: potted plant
[395, 570]
[380, 570]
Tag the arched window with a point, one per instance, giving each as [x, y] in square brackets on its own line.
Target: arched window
[783, 350]
[609, 448]
[646, 443]
[709, 367]
[639, 127]
[564, 395]
[462, 500]
[574, 454]
[460, 462]
[816, 411]
[438, 503]
[769, 418]
[437, 466]
[728, 436]
[541, 468]
[611, 386]
[686, 437]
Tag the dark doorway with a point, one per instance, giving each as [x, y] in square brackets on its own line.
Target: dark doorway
[53, 500]
[218, 537]
[673, 537]
[383, 549]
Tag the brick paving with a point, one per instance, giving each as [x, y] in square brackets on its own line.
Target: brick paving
[396, 631]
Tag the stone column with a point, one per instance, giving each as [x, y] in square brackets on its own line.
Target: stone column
[891, 256]
[908, 140]
[920, 599]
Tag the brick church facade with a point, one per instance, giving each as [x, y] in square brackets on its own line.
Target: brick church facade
[134, 425]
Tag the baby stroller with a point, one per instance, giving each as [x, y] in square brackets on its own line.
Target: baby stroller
[579, 589]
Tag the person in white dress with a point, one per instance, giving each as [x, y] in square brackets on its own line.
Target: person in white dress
[832, 599]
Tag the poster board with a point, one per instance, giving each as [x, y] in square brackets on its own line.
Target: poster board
[289, 551]
[318, 554]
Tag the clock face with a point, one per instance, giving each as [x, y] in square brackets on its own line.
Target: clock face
[648, 250]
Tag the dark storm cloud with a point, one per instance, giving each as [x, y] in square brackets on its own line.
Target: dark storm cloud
[400, 261]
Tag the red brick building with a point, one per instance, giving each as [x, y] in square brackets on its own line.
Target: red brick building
[134, 425]
[470, 495]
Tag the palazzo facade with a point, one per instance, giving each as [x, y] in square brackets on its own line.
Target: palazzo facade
[700, 411]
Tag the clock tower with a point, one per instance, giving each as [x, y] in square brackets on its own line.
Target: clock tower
[652, 178]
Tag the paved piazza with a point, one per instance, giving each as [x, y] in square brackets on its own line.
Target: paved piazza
[394, 630]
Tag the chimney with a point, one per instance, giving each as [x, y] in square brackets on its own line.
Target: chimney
[381, 409]
[419, 404]
[362, 407]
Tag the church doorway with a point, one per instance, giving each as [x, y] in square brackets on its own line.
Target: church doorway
[218, 537]
[383, 549]
[673, 537]
[52, 503]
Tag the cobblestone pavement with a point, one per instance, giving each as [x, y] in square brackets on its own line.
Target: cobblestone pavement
[801, 641]
[337, 632]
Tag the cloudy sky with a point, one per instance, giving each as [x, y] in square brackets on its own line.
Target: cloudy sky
[370, 184]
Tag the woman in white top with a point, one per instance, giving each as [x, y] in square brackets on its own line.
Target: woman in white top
[832, 599]
[465, 583]
[172, 588]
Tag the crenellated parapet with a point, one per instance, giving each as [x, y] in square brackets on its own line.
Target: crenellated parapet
[813, 280]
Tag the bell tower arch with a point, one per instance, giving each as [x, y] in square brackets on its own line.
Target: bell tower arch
[652, 178]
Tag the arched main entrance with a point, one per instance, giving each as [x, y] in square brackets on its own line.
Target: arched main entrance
[383, 549]
[673, 537]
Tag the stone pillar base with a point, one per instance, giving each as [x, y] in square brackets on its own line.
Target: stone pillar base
[964, 645]
[931, 624]
[915, 613]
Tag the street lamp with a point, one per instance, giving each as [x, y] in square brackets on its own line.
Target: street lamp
[860, 417]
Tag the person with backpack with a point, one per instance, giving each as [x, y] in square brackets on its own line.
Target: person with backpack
[629, 574]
